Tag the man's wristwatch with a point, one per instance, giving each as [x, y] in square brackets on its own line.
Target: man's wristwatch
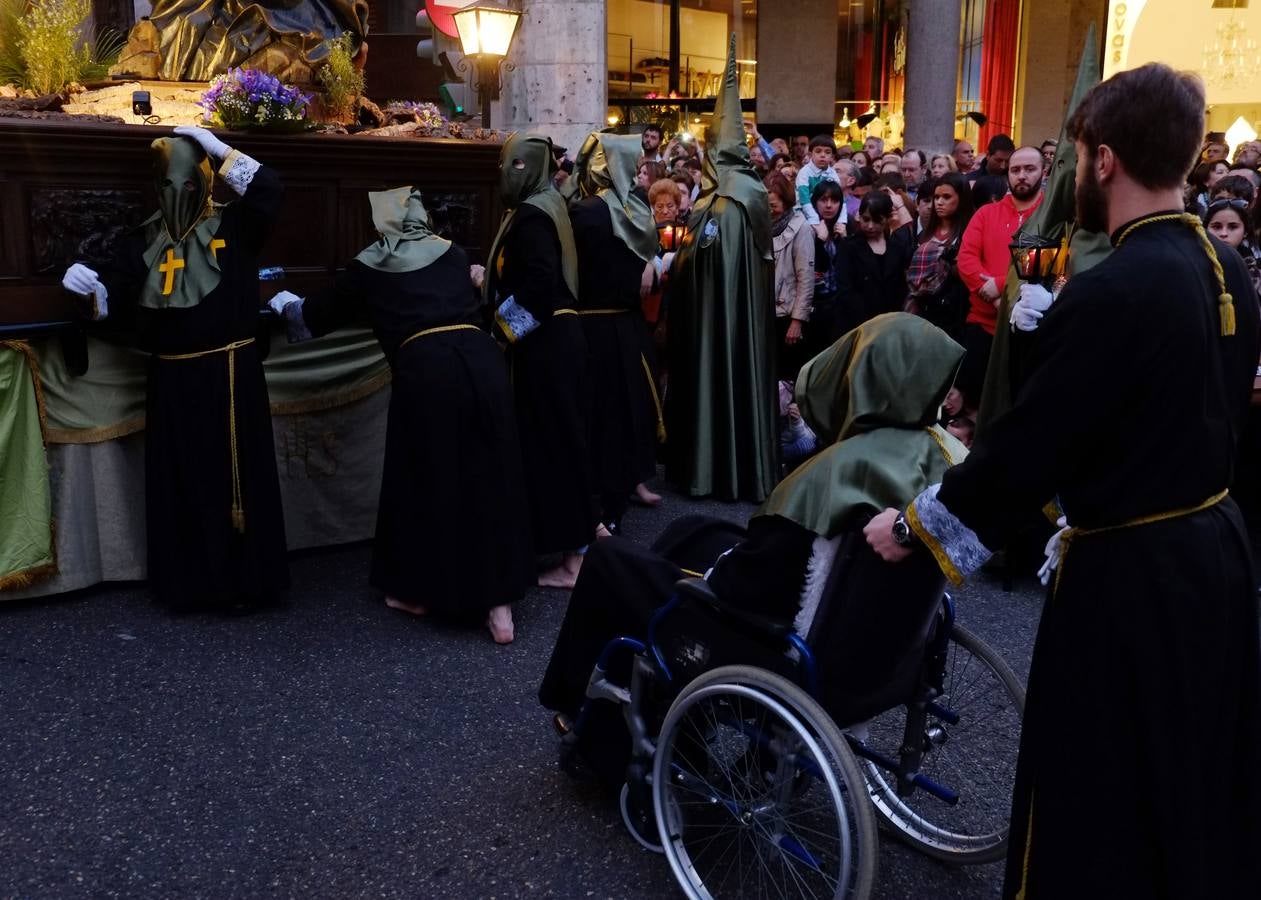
[902, 534]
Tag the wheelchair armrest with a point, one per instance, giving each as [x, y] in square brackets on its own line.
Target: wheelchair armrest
[698, 589]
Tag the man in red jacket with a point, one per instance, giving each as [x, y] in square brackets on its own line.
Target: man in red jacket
[984, 256]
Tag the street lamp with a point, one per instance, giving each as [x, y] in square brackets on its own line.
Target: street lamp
[486, 32]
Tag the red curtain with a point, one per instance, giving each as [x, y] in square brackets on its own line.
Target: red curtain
[998, 67]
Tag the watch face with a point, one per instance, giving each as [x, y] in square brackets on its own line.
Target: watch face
[901, 531]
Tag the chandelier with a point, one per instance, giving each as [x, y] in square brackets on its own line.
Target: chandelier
[1233, 59]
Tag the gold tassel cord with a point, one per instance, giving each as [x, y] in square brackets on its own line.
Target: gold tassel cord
[1225, 302]
[238, 504]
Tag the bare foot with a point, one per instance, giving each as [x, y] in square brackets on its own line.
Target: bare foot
[647, 497]
[499, 621]
[414, 608]
[602, 532]
[564, 576]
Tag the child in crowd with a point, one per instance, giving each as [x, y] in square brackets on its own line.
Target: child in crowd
[816, 168]
[796, 440]
[1227, 219]
[823, 328]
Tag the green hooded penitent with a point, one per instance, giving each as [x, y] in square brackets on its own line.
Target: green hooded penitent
[872, 399]
[180, 246]
[606, 168]
[1053, 219]
[720, 412]
[407, 241]
[526, 165]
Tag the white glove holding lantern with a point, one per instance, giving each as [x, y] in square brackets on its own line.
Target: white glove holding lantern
[1034, 301]
[81, 280]
[215, 148]
[1054, 552]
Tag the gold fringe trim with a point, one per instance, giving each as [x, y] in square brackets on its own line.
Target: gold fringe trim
[1024, 865]
[656, 399]
[32, 362]
[332, 401]
[96, 435]
[944, 562]
[24, 578]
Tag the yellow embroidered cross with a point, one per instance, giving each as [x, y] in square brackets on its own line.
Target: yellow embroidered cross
[217, 244]
[168, 268]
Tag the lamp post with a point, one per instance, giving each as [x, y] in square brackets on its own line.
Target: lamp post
[486, 32]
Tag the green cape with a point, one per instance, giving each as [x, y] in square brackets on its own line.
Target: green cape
[407, 241]
[1051, 219]
[606, 168]
[721, 409]
[531, 186]
[874, 396]
[26, 537]
[182, 263]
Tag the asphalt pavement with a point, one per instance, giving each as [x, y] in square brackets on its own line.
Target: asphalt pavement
[333, 748]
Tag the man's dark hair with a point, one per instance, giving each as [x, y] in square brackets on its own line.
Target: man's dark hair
[1151, 117]
[684, 179]
[890, 181]
[1049, 142]
[1249, 175]
[826, 188]
[1000, 143]
[652, 127]
[1236, 186]
[823, 140]
[866, 177]
[923, 160]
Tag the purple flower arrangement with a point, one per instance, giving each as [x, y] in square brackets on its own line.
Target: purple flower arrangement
[248, 98]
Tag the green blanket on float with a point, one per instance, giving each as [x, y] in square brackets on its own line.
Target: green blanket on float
[109, 400]
[26, 537]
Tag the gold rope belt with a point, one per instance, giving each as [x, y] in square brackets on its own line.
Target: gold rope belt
[603, 312]
[1072, 534]
[652, 384]
[238, 507]
[565, 311]
[437, 330]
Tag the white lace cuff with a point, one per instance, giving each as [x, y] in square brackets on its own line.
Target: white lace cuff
[238, 170]
[514, 320]
[957, 549]
[100, 302]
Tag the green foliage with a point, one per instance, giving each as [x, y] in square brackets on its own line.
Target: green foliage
[342, 82]
[42, 46]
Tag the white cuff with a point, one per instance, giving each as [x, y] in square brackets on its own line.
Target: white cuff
[955, 546]
[100, 302]
[514, 320]
[238, 171]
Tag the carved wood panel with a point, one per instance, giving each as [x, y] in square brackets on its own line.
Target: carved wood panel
[78, 224]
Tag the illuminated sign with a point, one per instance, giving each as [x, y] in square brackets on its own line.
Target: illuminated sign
[1122, 16]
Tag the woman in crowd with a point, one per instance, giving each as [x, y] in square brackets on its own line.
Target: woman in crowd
[793, 241]
[940, 164]
[649, 171]
[436, 549]
[758, 159]
[873, 269]
[924, 205]
[531, 282]
[934, 287]
[861, 159]
[663, 198]
[824, 326]
[902, 222]
[685, 185]
[1200, 184]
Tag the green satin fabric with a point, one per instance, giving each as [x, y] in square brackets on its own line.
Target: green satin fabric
[874, 396]
[200, 39]
[185, 225]
[407, 241]
[1053, 218]
[531, 186]
[606, 167]
[26, 540]
[721, 412]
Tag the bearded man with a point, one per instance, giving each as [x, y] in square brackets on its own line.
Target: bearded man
[1145, 686]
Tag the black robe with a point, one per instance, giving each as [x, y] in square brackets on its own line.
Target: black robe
[870, 284]
[453, 525]
[196, 557]
[624, 411]
[549, 382]
[1138, 770]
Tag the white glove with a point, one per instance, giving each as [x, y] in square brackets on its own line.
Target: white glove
[1024, 317]
[215, 148]
[1035, 296]
[1053, 552]
[79, 279]
[281, 300]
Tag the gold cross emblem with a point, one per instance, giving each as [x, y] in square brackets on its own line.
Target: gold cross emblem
[168, 268]
[217, 244]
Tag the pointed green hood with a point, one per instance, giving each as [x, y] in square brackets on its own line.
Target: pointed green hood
[606, 168]
[726, 170]
[526, 164]
[874, 397]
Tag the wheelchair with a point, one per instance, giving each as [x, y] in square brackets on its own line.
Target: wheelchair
[761, 759]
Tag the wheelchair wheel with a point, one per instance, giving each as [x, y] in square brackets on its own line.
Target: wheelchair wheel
[974, 756]
[757, 793]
